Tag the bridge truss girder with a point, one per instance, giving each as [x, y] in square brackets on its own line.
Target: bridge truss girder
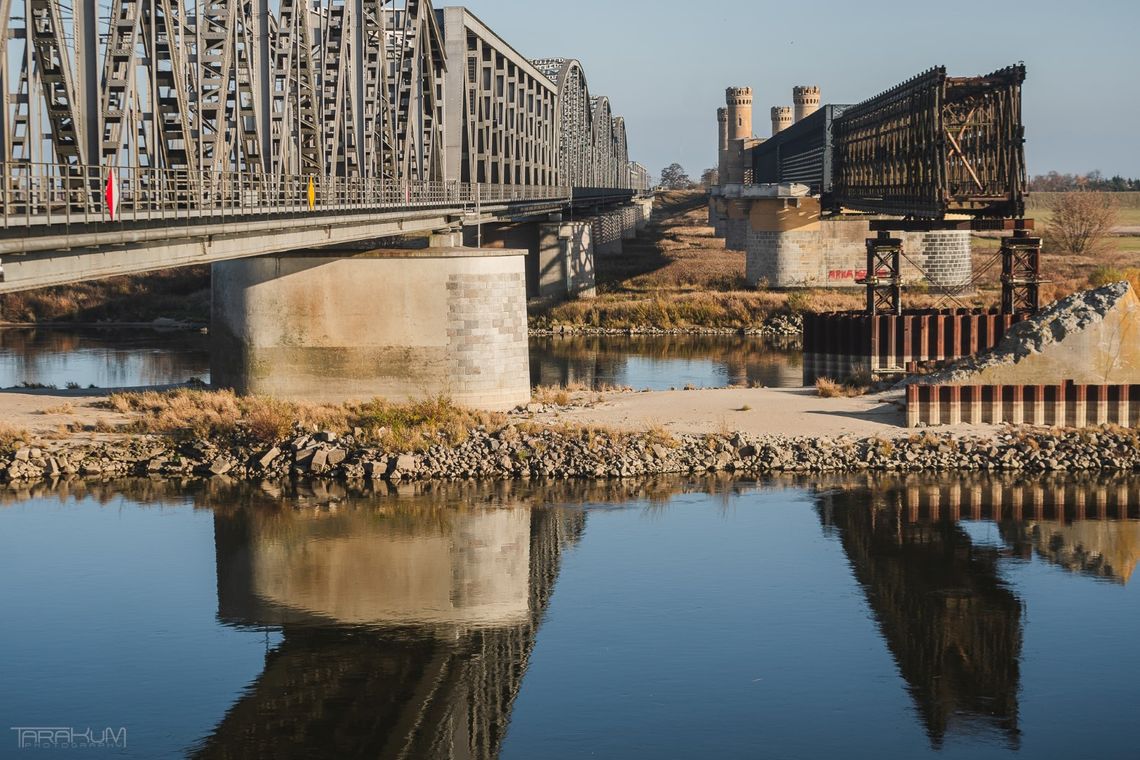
[333, 88]
[200, 106]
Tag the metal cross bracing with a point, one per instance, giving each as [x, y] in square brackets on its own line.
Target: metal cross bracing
[1020, 273]
[884, 274]
[235, 107]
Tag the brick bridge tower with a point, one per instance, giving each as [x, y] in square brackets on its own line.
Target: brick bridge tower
[739, 101]
[781, 119]
[722, 155]
[806, 99]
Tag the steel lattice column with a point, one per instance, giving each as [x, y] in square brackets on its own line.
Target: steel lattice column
[1020, 273]
[884, 274]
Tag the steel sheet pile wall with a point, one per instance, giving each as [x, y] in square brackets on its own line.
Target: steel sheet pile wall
[1065, 405]
[933, 146]
[841, 344]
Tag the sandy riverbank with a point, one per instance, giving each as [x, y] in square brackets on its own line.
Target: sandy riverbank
[751, 411]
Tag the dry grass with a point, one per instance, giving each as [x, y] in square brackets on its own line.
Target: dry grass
[851, 388]
[10, 436]
[555, 395]
[199, 414]
[679, 251]
[64, 408]
[679, 275]
[1065, 274]
[659, 435]
[735, 309]
[1106, 275]
[575, 394]
[1040, 207]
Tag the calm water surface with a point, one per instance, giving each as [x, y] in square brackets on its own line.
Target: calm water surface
[113, 358]
[132, 358]
[843, 618]
[659, 363]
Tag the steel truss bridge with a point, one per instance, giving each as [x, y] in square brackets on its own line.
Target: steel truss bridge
[141, 134]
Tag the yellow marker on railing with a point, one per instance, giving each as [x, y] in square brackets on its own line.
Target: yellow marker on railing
[312, 195]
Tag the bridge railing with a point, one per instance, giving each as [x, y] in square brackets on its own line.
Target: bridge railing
[39, 195]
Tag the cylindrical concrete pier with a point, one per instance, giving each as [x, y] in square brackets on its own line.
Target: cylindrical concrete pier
[947, 260]
[400, 325]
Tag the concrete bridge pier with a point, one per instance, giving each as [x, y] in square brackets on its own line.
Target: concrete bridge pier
[629, 218]
[789, 245]
[644, 213]
[397, 324]
[736, 224]
[718, 213]
[607, 233]
[560, 255]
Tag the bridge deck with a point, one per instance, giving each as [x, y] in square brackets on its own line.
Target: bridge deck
[59, 229]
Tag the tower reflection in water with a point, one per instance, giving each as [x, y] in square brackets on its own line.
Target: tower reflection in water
[951, 622]
[406, 631]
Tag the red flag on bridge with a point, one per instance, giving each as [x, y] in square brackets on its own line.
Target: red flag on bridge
[112, 194]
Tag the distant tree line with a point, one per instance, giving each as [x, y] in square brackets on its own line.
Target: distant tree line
[1055, 182]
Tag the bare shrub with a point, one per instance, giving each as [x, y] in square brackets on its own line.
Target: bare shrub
[1081, 223]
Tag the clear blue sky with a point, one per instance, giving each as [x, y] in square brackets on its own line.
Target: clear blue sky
[665, 63]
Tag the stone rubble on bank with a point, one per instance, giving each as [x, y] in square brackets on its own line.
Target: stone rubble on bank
[515, 453]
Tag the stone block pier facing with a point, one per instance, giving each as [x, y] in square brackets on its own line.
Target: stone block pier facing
[788, 244]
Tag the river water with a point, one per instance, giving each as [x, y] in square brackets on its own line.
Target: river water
[662, 619]
[121, 358]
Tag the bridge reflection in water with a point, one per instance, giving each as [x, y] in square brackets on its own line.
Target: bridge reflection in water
[407, 622]
[951, 622]
[406, 632]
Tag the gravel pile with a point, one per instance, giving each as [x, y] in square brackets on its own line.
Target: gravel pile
[1049, 327]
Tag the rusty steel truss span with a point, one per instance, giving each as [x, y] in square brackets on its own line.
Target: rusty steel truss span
[197, 106]
[935, 145]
